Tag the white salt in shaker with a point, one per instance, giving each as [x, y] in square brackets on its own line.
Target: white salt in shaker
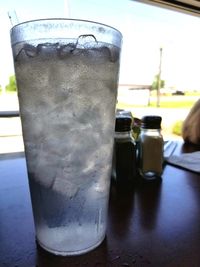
[151, 148]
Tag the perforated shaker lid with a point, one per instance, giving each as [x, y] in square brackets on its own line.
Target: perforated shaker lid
[123, 124]
[151, 122]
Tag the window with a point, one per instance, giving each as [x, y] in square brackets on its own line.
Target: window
[157, 43]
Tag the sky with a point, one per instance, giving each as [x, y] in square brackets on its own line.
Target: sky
[145, 30]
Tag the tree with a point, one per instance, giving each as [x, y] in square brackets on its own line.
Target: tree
[12, 84]
[155, 84]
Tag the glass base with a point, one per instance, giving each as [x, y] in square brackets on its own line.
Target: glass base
[150, 176]
[70, 253]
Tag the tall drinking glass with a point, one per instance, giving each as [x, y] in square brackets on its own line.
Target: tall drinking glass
[67, 78]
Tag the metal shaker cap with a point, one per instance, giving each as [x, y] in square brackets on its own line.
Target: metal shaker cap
[123, 124]
[151, 122]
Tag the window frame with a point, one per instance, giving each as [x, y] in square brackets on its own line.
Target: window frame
[186, 6]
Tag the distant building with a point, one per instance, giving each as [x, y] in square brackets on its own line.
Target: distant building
[135, 86]
[134, 94]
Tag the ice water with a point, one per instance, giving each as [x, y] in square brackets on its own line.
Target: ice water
[67, 94]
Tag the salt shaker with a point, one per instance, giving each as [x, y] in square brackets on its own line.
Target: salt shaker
[151, 148]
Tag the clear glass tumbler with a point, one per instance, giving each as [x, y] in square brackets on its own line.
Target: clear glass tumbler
[67, 78]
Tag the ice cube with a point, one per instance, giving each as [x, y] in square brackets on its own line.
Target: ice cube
[65, 186]
[48, 50]
[114, 52]
[66, 50]
[30, 50]
[86, 41]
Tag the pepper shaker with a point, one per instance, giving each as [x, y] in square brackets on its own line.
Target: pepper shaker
[124, 157]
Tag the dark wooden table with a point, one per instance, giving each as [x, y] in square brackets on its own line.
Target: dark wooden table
[156, 224]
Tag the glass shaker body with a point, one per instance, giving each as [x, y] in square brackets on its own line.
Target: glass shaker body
[151, 150]
[124, 156]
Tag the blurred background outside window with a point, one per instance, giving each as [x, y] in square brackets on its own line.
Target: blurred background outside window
[160, 58]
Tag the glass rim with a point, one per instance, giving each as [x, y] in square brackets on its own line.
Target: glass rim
[66, 19]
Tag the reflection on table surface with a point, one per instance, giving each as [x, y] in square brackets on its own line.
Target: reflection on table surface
[155, 224]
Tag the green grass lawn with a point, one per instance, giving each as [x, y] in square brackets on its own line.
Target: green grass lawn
[175, 104]
[183, 104]
[167, 101]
